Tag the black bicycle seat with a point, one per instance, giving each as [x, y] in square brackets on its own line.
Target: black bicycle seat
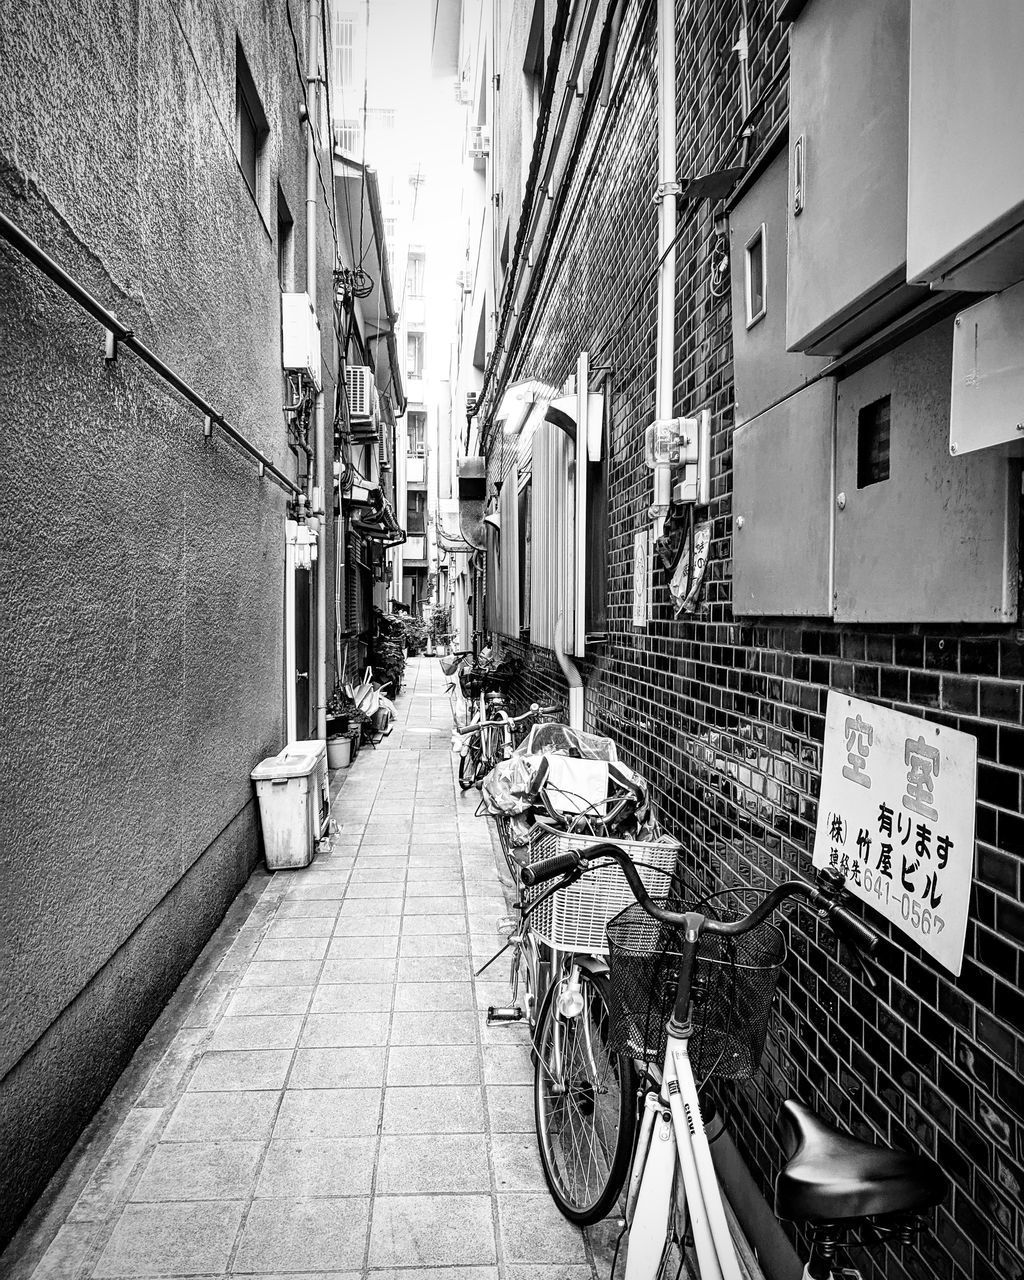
[830, 1175]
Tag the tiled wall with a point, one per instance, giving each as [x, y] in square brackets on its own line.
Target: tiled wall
[727, 719]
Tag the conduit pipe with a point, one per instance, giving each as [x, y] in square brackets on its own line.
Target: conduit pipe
[666, 196]
[572, 676]
[313, 80]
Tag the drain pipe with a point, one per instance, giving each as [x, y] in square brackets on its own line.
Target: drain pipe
[572, 676]
[319, 495]
[666, 197]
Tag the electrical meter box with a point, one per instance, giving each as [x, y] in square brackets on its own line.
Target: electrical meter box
[987, 406]
[920, 535]
[965, 218]
[763, 369]
[782, 507]
[849, 89]
[300, 336]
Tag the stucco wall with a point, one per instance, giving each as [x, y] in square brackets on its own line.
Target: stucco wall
[143, 566]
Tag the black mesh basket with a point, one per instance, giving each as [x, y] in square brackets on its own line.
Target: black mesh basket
[733, 984]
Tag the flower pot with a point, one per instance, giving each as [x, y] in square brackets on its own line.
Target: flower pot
[339, 752]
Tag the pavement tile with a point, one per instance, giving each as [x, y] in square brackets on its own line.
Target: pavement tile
[226, 1117]
[510, 1108]
[302, 927]
[370, 908]
[318, 889]
[199, 1171]
[279, 1001]
[333, 1030]
[434, 887]
[444, 1109]
[241, 1069]
[433, 1273]
[311, 1235]
[277, 948]
[351, 997]
[67, 1254]
[373, 893]
[337, 1068]
[309, 1167]
[362, 927]
[120, 1159]
[436, 906]
[413, 1231]
[434, 944]
[532, 1230]
[257, 1031]
[175, 1239]
[517, 1165]
[433, 1065]
[434, 969]
[281, 973]
[442, 925]
[457, 1026]
[508, 1064]
[294, 909]
[436, 996]
[367, 947]
[374, 969]
[431, 1164]
[328, 1113]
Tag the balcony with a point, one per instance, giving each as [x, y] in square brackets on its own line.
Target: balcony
[415, 548]
[415, 469]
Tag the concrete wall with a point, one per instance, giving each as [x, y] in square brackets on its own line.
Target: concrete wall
[141, 656]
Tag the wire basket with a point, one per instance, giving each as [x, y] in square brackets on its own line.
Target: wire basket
[734, 981]
[574, 919]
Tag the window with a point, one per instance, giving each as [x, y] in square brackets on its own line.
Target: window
[416, 519]
[285, 244]
[414, 275]
[756, 279]
[251, 128]
[390, 231]
[344, 50]
[346, 135]
[873, 442]
[380, 118]
[414, 355]
[416, 427]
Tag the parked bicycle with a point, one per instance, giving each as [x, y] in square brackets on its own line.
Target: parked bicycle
[489, 736]
[691, 996]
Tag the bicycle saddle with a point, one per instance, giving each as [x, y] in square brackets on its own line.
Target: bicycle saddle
[830, 1175]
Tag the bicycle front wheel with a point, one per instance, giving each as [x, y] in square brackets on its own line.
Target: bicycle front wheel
[585, 1104]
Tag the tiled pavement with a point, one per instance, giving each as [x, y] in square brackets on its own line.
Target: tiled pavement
[322, 1098]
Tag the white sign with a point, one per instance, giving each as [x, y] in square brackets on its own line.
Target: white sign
[641, 573]
[896, 817]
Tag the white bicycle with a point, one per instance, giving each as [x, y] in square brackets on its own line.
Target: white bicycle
[693, 995]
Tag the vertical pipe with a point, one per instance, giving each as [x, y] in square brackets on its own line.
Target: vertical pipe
[320, 443]
[289, 632]
[667, 192]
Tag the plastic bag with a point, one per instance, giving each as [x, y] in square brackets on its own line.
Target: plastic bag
[509, 788]
[560, 740]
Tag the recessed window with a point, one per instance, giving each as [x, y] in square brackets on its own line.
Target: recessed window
[414, 275]
[756, 277]
[873, 443]
[285, 244]
[251, 128]
[414, 355]
[416, 428]
[416, 521]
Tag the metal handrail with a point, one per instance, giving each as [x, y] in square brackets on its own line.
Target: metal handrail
[39, 258]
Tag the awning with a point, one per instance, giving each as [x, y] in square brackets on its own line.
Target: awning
[379, 524]
[449, 534]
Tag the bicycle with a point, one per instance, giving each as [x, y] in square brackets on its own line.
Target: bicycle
[668, 1009]
[488, 737]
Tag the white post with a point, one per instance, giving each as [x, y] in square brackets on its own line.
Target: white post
[667, 213]
[289, 631]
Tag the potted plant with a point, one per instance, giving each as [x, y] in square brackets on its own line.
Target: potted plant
[340, 710]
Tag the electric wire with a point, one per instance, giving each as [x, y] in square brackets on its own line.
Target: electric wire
[312, 123]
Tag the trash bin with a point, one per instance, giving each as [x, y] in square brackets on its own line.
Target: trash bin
[294, 803]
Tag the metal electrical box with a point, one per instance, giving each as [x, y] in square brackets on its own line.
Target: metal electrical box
[782, 507]
[920, 536]
[763, 369]
[849, 72]
[988, 374]
[300, 336]
[965, 221]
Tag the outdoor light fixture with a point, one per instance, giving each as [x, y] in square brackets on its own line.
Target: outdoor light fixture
[518, 402]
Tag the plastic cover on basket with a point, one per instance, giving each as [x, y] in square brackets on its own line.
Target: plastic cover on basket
[560, 740]
[734, 981]
[574, 918]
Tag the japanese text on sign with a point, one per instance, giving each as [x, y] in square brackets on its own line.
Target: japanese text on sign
[896, 818]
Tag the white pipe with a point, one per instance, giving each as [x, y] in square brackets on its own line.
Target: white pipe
[572, 676]
[289, 632]
[667, 212]
[320, 443]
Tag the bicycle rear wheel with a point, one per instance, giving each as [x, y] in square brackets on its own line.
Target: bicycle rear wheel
[585, 1104]
[469, 764]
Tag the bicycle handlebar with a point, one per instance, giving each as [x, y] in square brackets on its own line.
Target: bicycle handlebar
[859, 937]
[533, 710]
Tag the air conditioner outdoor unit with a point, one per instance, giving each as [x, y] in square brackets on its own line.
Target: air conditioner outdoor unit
[465, 281]
[479, 142]
[362, 394]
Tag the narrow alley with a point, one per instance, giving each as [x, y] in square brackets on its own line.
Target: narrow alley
[322, 1097]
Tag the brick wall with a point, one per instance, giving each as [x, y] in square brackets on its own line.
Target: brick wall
[727, 719]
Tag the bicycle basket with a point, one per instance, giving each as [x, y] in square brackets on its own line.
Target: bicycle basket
[574, 919]
[734, 981]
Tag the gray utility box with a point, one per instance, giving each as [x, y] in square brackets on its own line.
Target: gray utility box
[763, 369]
[782, 507]
[936, 540]
[849, 94]
[965, 221]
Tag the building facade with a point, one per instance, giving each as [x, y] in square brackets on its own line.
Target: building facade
[158, 513]
[682, 227]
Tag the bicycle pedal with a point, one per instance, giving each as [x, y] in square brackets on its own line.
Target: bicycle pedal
[506, 925]
[512, 1013]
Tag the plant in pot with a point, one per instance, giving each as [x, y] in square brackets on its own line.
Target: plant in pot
[340, 713]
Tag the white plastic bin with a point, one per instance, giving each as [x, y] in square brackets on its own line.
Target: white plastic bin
[294, 803]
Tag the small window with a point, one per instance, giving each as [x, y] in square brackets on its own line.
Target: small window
[251, 128]
[414, 355]
[285, 244]
[416, 520]
[346, 136]
[873, 442]
[344, 50]
[416, 428]
[414, 275]
[756, 278]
